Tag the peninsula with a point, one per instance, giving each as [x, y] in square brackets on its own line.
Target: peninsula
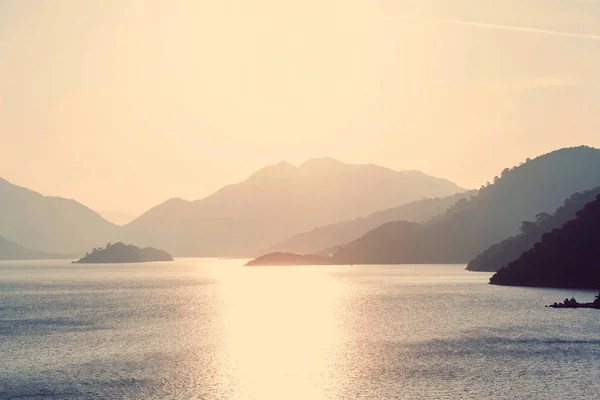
[289, 259]
[574, 304]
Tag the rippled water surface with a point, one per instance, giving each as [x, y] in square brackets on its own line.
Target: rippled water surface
[211, 329]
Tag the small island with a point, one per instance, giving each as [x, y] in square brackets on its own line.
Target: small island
[572, 303]
[122, 253]
[289, 259]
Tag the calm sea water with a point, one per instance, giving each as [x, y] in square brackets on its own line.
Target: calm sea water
[211, 329]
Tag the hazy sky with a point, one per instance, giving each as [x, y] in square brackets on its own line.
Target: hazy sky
[123, 104]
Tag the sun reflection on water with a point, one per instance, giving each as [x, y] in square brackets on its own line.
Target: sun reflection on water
[279, 331]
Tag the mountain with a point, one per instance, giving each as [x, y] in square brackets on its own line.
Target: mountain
[470, 226]
[13, 251]
[567, 257]
[501, 254]
[277, 202]
[333, 235]
[50, 224]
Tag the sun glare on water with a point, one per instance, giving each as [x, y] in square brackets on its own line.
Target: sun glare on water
[280, 330]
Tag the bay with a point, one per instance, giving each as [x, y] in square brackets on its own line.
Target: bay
[213, 329]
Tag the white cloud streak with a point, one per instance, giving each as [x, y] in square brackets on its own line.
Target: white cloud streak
[484, 25]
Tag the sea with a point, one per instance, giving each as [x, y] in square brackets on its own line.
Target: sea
[214, 329]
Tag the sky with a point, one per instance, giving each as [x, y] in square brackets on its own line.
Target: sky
[122, 104]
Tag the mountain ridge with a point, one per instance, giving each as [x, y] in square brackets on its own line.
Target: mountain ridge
[339, 234]
[276, 202]
[13, 251]
[49, 224]
[566, 257]
[493, 214]
[501, 254]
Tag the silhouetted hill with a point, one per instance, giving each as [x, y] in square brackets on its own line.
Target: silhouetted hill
[376, 247]
[14, 251]
[501, 254]
[288, 259]
[122, 253]
[330, 236]
[495, 213]
[277, 202]
[50, 224]
[567, 257]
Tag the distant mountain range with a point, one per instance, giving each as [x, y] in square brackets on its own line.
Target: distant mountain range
[566, 257]
[279, 206]
[331, 236]
[470, 226]
[274, 203]
[50, 224]
[14, 251]
[277, 202]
